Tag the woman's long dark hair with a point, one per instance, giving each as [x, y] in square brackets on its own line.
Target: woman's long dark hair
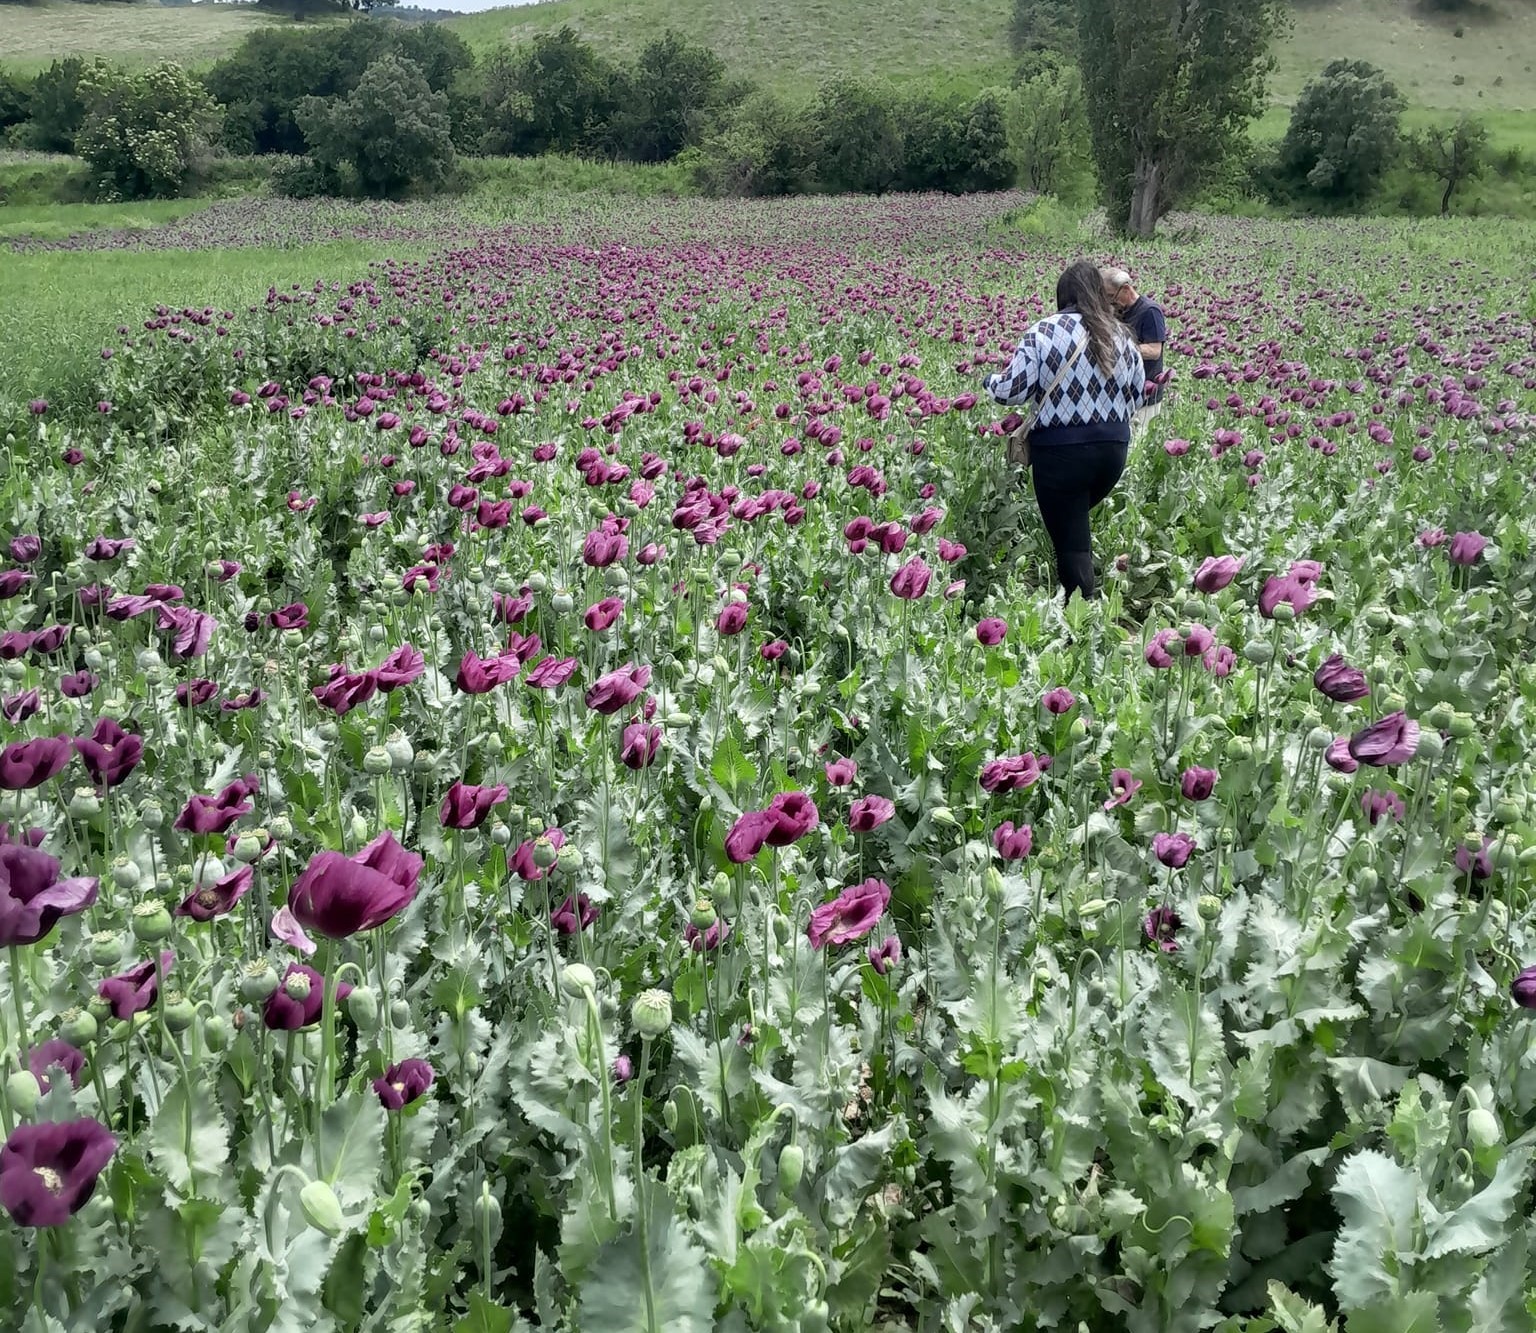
[1081, 289]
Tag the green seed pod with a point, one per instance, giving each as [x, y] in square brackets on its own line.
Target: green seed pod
[98, 1008]
[180, 1012]
[791, 1167]
[615, 577]
[1393, 703]
[106, 948]
[538, 581]
[376, 763]
[703, 915]
[651, 1013]
[1483, 1128]
[569, 859]
[562, 603]
[363, 1008]
[216, 1032]
[545, 853]
[296, 986]
[576, 979]
[152, 816]
[125, 873]
[1378, 617]
[322, 1209]
[85, 803]
[1319, 738]
[1258, 652]
[77, 1027]
[1284, 613]
[328, 731]
[1430, 745]
[258, 981]
[150, 921]
[1209, 907]
[1507, 810]
[22, 1092]
[1439, 717]
[501, 835]
[1463, 726]
[400, 750]
[1239, 749]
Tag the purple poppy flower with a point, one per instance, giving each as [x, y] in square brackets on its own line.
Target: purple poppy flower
[1160, 927]
[55, 1052]
[1467, 548]
[1123, 785]
[196, 693]
[1157, 654]
[193, 630]
[885, 955]
[133, 991]
[18, 708]
[48, 1171]
[26, 548]
[1377, 805]
[1338, 756]
[1288, 588]
[401, 667]
[107, 548]
[573, 915]
[748, 836]
[773, 650]
[840, 772]
[1339, 681]
[1475, 864]
[32, 896]
[215, 814]
[991, 632]
[869, 812]
[523, 861]
[1013, 843]
[849, 916]
[1058, 701]
[601, 615]
[338, 896]
[217, 899]
[1216, 572]
[109, 753]
[639, 745]
[25, 765]
[79, 684]
[1392, 740]
[793, 815]
[285, 929]
[911, 581]
[299, 1000]
[1523, 988]
[1011, 773]
[481, 675]
[618, 689]
[346, 690]
[1173, 849]
[12, 581]
[466, 807]
[732, 619]
[404, 1083]
[1197, 784]
[550, 673]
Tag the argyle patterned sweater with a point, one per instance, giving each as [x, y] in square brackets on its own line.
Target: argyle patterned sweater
[1083, 407]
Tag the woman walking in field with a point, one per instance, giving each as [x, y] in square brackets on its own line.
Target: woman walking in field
[1086, 372]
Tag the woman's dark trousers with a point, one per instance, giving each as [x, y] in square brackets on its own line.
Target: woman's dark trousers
[1070, 479]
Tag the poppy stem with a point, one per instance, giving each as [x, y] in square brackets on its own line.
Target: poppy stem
[641, 1208]
[328, 1027]
[14, 957]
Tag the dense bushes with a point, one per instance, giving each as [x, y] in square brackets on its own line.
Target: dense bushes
[144, 131]
[1344, 133]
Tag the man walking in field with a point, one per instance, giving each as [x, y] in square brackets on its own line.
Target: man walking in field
[1149, 326]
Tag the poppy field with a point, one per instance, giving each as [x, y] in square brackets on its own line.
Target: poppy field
[545, 784]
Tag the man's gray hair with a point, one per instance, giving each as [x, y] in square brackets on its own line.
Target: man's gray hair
[1115, 277]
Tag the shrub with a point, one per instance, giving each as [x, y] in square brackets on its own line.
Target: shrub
[55, 107]
[392, 131]
[667, 99]
[1343, 134]
[554, 96]
[145, 131]
[1048, 136]
[764, 149]
[857, 138]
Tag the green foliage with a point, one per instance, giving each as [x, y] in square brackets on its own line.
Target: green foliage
[556, 95]
[1048, 136]
[261, 83]
[391, 135]
[764, 149]
[667, 99]
[1043, 26]
[1170, 88]
[857, 136]
[144, 132]
[1452, 154]
[14, 96]
[56, 107]
[1344, 131]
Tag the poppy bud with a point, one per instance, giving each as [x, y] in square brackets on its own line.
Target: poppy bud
[669, 1115]
[1366, 879]
[487, 1212]
[677, 721]
[359, 828]
[1209, 907]
[216, 1032]
[1095, 992]
[150, 921]
[1393, 703]
[576, 979]
[22, 1092]
[322, 1209]
[363, 1008]
[77, 1027]
[180, 1012]
[791, 1166]
[1078, 731]
[1091, 909]
[399, 1014]
[781, 927]
[943, 816]
[651, 1013]
[1483, 1129]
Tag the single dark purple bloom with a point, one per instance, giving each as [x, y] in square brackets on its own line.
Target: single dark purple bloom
[466, 807]
[133, 991]
[33, 897]
[217, 899]
[1392, 740]
[109, 753]
[28, 764]
[55, 1052]
[573, 915]
[215, 814]
[1197, 784]
[404, 1083]
[1339, 681]
[885, 955]
[1173, 849]
[295, 1005]
[1161, 927]
[48, 1171]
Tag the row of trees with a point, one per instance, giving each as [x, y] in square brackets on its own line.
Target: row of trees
[385, 108]
[1157, 97]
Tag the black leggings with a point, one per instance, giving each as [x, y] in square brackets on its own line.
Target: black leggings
[1070, 479]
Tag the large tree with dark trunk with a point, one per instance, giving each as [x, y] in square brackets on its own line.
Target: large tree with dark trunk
[1170, 87]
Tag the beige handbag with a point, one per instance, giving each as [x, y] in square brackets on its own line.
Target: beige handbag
[1018, 440]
